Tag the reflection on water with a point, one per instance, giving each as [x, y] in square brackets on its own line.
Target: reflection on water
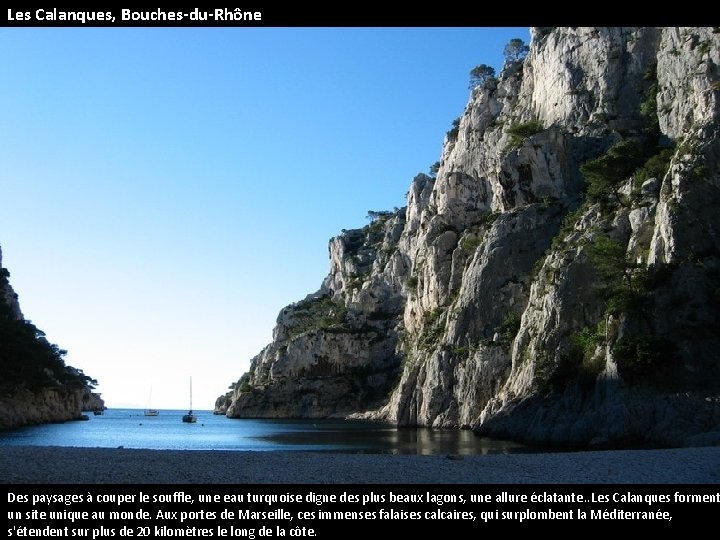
[129, 428]
[366, 437]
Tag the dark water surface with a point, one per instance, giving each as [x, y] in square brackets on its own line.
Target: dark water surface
[130, 428]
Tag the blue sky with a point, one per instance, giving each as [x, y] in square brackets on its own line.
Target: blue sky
[166, 191]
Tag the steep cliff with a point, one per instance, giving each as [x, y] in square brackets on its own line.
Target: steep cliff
[556, 282]
[36, 386]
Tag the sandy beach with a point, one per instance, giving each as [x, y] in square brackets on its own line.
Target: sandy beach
[63, 465]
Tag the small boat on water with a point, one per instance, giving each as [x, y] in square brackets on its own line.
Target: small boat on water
[190, 417]
[150, 411]
[98, 412]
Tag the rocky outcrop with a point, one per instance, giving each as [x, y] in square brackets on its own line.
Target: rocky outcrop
[8, 297]
[37, 387]
[222, 404]
[334, 352]
[556, 282]
[91, 401]
[49, 405]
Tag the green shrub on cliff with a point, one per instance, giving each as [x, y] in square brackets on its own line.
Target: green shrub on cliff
[28, 360]
[519, 132]
[604, 174]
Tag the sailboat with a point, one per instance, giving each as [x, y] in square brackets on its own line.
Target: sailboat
[150, 411]
[190, 418]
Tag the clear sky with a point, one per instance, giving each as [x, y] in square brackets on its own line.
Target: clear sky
[165, 192]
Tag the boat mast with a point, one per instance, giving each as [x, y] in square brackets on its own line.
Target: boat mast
[191, 395]
[190, 417]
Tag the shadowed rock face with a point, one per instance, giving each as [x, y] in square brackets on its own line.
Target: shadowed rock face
[557, 281]
[26, 398]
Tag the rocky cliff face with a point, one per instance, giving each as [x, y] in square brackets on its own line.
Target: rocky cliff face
[557, 281]
[36, 387]
[8, 296]
[334, 352]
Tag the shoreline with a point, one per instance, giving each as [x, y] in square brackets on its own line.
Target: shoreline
[74, 465]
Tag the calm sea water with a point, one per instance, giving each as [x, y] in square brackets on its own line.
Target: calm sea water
[130, 428]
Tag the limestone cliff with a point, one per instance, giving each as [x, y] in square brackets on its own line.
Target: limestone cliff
[36, 386]
[557, 281]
